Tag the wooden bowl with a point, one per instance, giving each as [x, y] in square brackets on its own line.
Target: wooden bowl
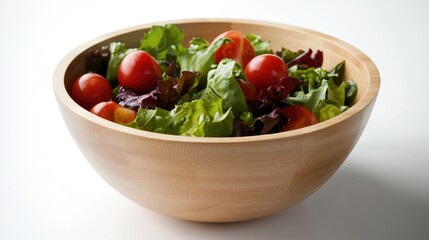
[220, 179]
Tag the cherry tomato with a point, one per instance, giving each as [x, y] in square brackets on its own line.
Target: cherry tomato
[240, 49]
[299, 117]
[90, 89]
[139, 71]
[114, 112]
[265, 70]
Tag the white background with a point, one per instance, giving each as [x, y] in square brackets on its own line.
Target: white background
[49, 191]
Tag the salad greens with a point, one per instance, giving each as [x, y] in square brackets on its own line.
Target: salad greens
[202, 117]
[222, 81]
[158, 40]
[288, 55]
[170, 92]
[197, 97]
[258, 44]
[210, 115]
[321, 92]
[199, 56]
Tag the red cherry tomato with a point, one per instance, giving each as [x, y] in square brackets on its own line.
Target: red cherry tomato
[299, 117]
[139, 71]
[240, 49]
[114, 112]
[90, 89]
[265, 70]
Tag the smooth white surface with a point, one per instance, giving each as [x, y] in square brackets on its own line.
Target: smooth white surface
[49, 191]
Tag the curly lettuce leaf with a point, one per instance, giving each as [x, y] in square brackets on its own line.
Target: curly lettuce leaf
[223, 82]
[118, 51]
[325, 111]
[158, 40]
[312, 76]
[323, 101]
[288, 55]
[206, 118]
[341, 93]
[309, 99]
[199, 57]
[324, 93]
[197, 44]
[154, 120]
[261, 47]
[203, 117]
[336, 93]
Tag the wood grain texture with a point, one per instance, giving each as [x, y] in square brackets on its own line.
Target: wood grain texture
[220, 179]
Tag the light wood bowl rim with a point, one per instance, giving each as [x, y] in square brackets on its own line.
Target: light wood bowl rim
[367, 97]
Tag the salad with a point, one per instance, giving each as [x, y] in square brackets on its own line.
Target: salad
[235, 85]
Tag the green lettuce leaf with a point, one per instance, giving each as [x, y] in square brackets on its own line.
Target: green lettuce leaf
[313, 76]
[310, 99]
[248, 119]
[158, 40]
[118, 51]
[197, 44]
[337, 72]
[351, 91]
[203, 117]
[223, 82]
[211, 114]
[325, 111]
[323, 92]
[154, 120]
[336, 94]
[199, 57]
[288, 55]
[261, 47]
